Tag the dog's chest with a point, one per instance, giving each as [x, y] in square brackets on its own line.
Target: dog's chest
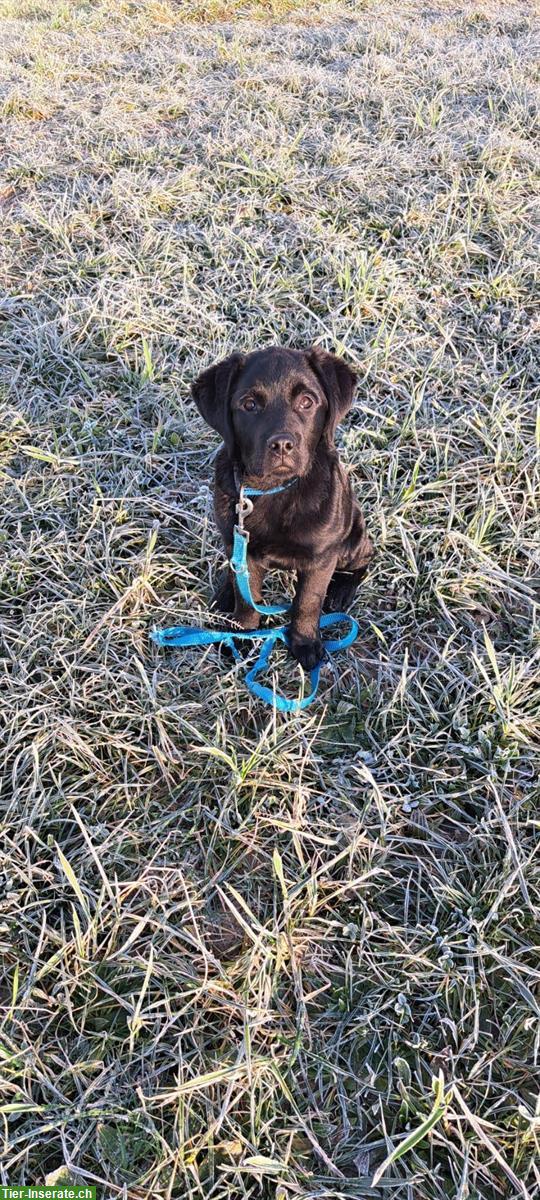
[285, 554]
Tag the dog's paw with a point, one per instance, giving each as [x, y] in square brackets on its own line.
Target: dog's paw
[340, 594]
[307, 651]
[341, 591]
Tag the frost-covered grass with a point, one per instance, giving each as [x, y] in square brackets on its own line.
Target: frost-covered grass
[237, 948]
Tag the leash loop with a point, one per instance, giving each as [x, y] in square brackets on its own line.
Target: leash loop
[188, 637]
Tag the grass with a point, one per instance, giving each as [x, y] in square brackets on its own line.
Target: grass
[244, 954]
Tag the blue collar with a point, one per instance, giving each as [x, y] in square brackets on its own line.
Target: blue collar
[249, 491]
[245, 504]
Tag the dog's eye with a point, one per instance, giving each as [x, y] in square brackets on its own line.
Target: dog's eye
[249, 406]
[306, 402]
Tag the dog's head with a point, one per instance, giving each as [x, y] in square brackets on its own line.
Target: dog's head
[273, 407]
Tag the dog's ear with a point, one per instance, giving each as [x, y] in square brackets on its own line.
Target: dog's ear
[338, 382]
[211, 392]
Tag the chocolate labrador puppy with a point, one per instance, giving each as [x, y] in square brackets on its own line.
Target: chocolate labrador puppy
[277, 411]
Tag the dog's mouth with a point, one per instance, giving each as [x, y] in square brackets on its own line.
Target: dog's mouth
[272, 475]
[271, 470]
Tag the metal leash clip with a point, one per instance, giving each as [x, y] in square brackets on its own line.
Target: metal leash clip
[243, 509]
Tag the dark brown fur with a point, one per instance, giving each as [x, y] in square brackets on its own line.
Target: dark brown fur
[277, 411]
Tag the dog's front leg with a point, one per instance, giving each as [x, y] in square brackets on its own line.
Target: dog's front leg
[304, 635]
[244, 614]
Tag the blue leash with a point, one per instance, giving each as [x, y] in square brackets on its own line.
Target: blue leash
[187, 636]
[239, 563]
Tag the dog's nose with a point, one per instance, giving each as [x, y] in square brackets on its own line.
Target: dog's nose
[281, 443]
